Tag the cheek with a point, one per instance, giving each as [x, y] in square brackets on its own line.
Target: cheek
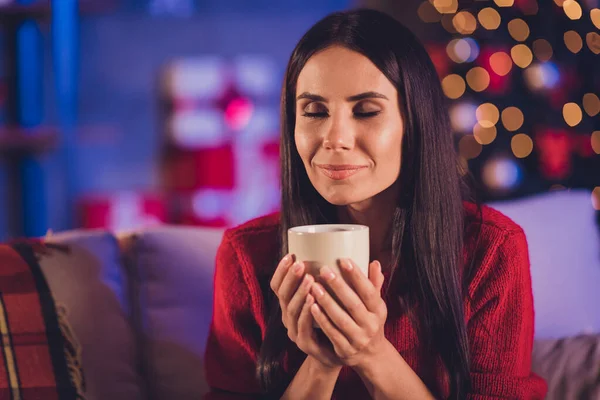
[306, 145]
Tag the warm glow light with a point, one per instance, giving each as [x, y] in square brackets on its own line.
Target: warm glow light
[484, 135]
[596, 198]
[468, 147]
[478, 79]
[559, 2]
[464, 22]
[487, 115]
[504, 3]
[573, 41]
[453, 86]
[489, 18]
[593, 41]
[446, 6]
[542, 76]
[591, 104]
[542, 50]
[447, 23]
[462, 50]
[572, 9]
[512, 118]
[572, 114]
[596, 141]
[530, 7]
[428, 13]
[595, 17]
[521, 55]
[518, 29]
[521, 145]
[501, 63]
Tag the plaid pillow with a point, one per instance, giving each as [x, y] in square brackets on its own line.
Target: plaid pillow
[40, 357]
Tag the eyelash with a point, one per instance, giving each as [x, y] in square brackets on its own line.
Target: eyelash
[356, 115]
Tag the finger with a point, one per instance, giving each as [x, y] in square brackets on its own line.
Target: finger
[294, 308]
[365, 289]
[346, 295]
[305, 322]
[376, 275]
[280, 271]
[290, 282]
[337, 338]
[338, 316]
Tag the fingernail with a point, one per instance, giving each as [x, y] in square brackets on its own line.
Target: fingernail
[318, 290]
[297, 267]
[327, 273]
[347, 265]
[315, 308]
[286, 259]
[307, 280]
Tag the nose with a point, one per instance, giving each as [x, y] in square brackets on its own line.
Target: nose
[339, 135]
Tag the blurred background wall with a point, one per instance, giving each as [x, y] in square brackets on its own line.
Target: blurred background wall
[124, 113]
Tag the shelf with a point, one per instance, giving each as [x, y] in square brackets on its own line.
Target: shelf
[22, 140]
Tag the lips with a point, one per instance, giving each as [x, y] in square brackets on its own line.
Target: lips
[340, 171]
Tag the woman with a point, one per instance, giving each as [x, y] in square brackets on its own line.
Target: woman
[447, 308]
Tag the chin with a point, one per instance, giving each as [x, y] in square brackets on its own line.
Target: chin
[341, 197]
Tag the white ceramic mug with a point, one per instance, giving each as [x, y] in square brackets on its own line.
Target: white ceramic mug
[324, 245]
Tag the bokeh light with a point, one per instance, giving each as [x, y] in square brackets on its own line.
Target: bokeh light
[487, 115]
[591, 104]
[592, 39]
[521, 145]
[464, 22]
[542, 50]
[501, 174]
[446, 6]
[518, 29]
[595, 17]
[559, 2]
[596, 198]
[504, 3]
[468, 147]
[428, 13]
[572, 114]
[572, 9]
[489, 18]
[501, 63]
[478, 79]
[596, 142]
[484, 135]
[462, 50]
[542, 76]
[462, 117]
[573, 41]
[454, 86]
[447, 23]
[512, 118]
[521, 55]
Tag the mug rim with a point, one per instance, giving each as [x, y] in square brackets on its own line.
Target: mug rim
[315, 229]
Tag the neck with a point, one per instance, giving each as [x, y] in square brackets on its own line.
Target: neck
[376, 213]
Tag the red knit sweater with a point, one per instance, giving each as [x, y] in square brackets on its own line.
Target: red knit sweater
[498, 312]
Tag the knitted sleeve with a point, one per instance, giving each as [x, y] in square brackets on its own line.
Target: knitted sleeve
[234, 336]
[500, 322]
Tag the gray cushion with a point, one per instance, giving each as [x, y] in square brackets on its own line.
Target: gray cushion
[564, 247]
[174, 268]
[571, 366]
[89, 282]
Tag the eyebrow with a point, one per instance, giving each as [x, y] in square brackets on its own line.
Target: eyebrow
[356, 97]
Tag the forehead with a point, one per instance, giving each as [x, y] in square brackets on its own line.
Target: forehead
[337, 71]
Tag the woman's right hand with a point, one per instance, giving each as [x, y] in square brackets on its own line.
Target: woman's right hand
[291, 284]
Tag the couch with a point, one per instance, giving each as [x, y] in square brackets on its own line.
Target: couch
[139, 302]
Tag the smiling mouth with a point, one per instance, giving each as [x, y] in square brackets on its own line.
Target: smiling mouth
[340, 172]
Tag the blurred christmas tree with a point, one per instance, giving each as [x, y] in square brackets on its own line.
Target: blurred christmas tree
[523, 80]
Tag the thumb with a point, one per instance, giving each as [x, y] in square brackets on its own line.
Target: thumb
[375, 275]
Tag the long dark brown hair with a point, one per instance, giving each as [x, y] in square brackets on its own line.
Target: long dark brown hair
[427, 237]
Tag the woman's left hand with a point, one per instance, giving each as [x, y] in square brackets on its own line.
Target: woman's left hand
[355, 326]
